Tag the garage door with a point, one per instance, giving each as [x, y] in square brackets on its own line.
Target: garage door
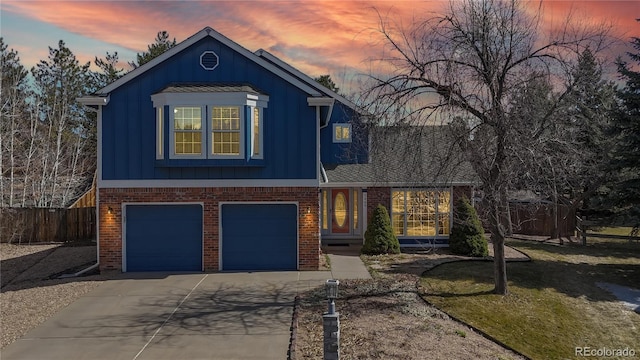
[163, 238]
[259, 236]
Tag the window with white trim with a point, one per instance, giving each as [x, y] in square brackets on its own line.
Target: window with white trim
[225, 130]
[187, 131]
[159, 133]
[256, 134]
[341, 133]
[420, 213]
[216, 125]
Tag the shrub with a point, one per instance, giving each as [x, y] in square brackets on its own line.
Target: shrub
[379, 237]
[467, 235]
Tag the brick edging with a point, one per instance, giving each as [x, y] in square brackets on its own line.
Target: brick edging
[291, 353]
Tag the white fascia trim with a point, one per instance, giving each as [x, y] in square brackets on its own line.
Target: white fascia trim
[92, 100]
[319, 102]
[207, 31]
[208, 183]
[214, 99]
[267, 55]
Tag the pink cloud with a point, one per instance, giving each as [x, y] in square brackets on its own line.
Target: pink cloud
[315, 36]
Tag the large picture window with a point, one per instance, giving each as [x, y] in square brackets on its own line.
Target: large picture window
[421, 212]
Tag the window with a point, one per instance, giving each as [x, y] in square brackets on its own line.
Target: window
[421, 212]
[341, 133]
[210, 122]
[325, 217]
[159, 135]
[355, 209]
[225, 131]
[187, 131]
[256, 134]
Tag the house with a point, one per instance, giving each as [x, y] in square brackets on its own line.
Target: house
[215, 158]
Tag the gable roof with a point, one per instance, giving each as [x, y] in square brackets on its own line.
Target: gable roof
[209, 32]
[407, 156]
[303, 77]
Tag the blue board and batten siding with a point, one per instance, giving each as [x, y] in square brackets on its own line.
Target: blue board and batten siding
[129, 121]
[355, 152]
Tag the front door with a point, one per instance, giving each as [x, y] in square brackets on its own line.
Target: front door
[340, 215]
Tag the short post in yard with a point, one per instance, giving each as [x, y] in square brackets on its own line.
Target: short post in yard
[331, 323]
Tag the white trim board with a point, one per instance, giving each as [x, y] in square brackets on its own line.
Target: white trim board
[208, 183]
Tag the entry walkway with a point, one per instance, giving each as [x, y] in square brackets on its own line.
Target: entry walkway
[346, 262]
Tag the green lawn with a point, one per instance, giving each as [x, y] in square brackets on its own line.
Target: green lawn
[554, 304]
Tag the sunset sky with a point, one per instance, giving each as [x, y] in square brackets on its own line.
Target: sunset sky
[317, 37]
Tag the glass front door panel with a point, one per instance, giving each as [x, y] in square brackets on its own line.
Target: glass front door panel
[340, 217]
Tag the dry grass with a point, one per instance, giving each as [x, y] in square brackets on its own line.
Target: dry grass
[386, 319]
[554, 304]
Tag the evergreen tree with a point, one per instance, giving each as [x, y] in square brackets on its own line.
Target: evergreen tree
[109, 71]
[467, 234]
[588, 114]
[326, 81]
[379, 237]
[626, 195]
[161, 44]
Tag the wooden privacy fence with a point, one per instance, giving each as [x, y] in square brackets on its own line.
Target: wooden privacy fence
[583, 226]
[20, 225]
[537, 219]
[531, 218]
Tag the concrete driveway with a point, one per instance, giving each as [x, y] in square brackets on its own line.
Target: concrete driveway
[174, 316]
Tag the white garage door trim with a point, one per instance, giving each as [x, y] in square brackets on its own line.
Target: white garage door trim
[123, 224]
[221, 237]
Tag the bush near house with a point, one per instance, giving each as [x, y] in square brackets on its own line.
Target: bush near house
[467, 235]
[379, 237]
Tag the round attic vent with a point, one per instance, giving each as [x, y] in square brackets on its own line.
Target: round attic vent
[209, 60]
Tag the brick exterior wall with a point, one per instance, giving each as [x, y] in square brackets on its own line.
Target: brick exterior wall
[375, 196]
[459, 192]
[110, 227]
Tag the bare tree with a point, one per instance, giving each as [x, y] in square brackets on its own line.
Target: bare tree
[13, 94]
[59, 80]
[469, 63]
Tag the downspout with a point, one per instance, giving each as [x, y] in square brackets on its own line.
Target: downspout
[319, 102]
[99, 102]
[323, 173]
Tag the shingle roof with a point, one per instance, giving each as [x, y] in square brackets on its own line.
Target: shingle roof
[211, 87]
[408, 156]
